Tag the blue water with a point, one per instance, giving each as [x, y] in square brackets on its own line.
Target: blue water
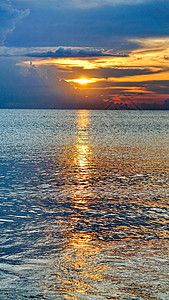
[84, 204]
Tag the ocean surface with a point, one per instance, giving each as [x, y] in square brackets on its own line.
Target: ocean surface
[84, 205]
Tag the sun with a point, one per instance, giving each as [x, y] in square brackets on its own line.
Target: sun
[82, 80]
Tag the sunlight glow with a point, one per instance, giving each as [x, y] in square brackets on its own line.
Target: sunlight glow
[82, 80]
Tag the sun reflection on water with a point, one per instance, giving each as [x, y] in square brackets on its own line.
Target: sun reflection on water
[79, 269]
[82, 140]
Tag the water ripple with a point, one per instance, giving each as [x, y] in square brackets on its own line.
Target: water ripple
[84, 205]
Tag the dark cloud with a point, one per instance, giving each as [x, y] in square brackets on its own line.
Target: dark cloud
[108, 26]
[9, 17]
[111, 72]
[73, 52]
[37, 88]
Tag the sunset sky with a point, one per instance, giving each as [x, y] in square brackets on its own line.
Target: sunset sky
[84, 54]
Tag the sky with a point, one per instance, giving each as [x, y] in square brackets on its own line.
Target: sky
[103, 54]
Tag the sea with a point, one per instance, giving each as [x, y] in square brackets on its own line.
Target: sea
[84, 204]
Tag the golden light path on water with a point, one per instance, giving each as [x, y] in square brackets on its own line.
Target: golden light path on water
[77, 270]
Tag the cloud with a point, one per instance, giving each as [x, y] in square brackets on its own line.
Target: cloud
[81, 4]
[9, 17]
[74, 52]
[95, 3]
[152, 43]
[33, 87]
[57, 23]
